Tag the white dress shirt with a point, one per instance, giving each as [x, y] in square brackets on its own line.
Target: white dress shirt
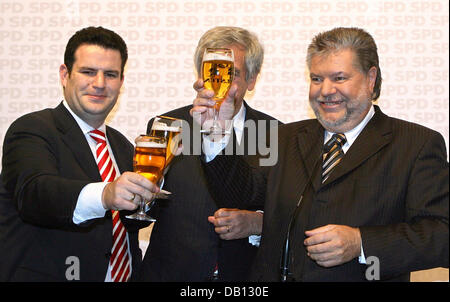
[212, 148]
[89, 202]
[352, 134]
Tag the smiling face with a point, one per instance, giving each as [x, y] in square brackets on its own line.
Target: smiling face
[340, 94]
[93, 86]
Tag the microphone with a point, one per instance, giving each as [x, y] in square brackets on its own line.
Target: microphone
[285, 254]
[285, 259]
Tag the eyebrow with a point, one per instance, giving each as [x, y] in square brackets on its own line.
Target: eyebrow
[338, 73]
[334, 74]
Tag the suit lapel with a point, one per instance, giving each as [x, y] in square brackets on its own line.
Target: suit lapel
[310, 141]
[249, 112]
[252, 138]
[74, 138]
[374, 136]
[249, 115]
[124, 159]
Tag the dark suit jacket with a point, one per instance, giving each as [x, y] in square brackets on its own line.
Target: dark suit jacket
[183, 244]
[392, 183]
[46, 163]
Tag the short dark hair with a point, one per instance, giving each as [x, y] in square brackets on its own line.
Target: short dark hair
[95, 36]
[356, 39]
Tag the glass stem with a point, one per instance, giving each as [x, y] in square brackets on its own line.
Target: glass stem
[216, 117]
[142, 206]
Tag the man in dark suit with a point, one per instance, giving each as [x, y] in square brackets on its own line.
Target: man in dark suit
[364, 196]
[55, 206]
[188, 241]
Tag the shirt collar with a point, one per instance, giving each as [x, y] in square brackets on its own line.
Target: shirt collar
[353, 134]
[239, 118]
[85, 127]
[238, 122]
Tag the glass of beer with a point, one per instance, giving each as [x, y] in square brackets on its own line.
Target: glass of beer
[170, 129]
[217, 75]
[149, 161]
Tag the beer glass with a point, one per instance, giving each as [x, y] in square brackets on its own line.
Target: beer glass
[170, 129]
[149, 161]
[217, 75]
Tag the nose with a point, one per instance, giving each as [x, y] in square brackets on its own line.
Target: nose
[99, 80]
[327, 88]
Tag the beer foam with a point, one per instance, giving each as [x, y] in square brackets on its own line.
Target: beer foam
[164, 127]
[216, 56]
[151, 145]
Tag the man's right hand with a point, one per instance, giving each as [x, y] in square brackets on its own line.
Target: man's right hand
[126, 192]
[203, 109]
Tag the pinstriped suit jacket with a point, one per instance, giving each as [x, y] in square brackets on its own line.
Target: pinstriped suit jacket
[392, 183]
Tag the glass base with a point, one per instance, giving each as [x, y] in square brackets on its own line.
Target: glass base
[141, 217]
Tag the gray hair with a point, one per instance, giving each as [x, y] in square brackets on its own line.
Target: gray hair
[356, 39]
[223, 36]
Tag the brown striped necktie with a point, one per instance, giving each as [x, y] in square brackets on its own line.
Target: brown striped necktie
[120, 260]
[332, 154]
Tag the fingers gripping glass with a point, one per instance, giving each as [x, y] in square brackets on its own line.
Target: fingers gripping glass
[164, 134]
[217, 75]
[149, 161]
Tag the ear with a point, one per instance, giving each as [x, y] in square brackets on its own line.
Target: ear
[63, 74]
[372, 76]
[251, 83]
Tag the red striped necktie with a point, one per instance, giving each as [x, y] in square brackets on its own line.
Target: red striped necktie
[120, 260]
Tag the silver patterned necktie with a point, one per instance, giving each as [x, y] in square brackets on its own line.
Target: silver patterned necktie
[333, 154]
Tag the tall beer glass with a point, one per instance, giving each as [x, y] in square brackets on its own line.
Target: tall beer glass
[149, 161]
[170, 129]
[217, 75]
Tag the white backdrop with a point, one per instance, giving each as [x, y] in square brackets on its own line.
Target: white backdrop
[412, 37]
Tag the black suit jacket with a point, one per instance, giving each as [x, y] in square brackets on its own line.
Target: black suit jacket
[392, 183]
[183, 244]
[46, 163]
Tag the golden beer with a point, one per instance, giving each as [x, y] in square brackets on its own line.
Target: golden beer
[150, 157]
[168, 128]
[218, 73]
